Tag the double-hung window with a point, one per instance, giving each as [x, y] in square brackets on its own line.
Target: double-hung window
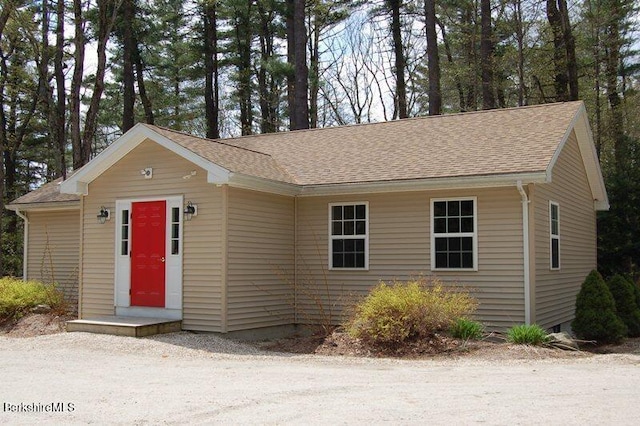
[554, 235]
[348, 236]
[454, 234]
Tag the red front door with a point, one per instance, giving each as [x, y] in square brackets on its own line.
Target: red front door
[148, 253]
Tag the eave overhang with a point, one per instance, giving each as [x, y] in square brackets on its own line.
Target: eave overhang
[459, 182]
[50, 206]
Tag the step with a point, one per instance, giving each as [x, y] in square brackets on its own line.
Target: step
[125, 326]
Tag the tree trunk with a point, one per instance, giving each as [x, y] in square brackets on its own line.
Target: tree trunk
[105, 25]
[212, 104]
[433, 58]
[456, 77]
[559, 52]
[314, 78]
[570, 47]
[400, 62]
[79, 42]
[128, 77]
[142, 88]
[243, 32]
[613, 45]
[469, 19]
[597, 63]
[3, 145]
[520, 41]
[267, 101]
[54, 112]
[60, 125]
[301, 89]
[486, 56]
[7, 9]
[291, 59]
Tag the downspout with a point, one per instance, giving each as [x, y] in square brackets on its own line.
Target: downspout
[295, 259]
[525, 249]
[25, 243]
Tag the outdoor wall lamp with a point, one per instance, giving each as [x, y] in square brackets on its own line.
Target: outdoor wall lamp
[103, 215]
[190, 210]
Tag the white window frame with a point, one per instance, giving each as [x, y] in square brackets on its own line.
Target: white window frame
[346, 237]
[473, 234]
[553, 236]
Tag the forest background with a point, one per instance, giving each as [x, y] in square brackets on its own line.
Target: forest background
[76, 74]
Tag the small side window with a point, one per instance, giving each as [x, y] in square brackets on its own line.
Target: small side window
[175, 230]
[124, 233]
[554, 235]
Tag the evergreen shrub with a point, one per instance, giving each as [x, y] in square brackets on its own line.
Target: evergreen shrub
[625, 300]
[596, 317]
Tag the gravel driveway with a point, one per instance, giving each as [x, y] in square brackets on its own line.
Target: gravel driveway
[203, 379]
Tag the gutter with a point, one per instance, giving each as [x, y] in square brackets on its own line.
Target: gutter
[525, 248]
[25, 244]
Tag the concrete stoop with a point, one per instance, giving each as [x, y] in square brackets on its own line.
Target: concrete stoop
[125, 326]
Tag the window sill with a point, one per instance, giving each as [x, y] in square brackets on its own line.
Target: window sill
[348, 269]
[454, 270]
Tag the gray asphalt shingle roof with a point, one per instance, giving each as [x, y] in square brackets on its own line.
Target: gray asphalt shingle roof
[495, 142]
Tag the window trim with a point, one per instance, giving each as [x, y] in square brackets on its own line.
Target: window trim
[332, 237]
[473, 234]
[553, 237]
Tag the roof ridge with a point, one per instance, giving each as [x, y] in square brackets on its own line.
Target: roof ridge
[218, 141]
[402, 120]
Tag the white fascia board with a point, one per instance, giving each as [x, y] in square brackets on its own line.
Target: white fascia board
[215, 173]
[237, 180]
[78, 183]
[490, 181]
[53, 206]
[586, 145]
[111, 154]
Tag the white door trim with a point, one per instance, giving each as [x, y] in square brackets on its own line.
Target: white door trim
[173, 264]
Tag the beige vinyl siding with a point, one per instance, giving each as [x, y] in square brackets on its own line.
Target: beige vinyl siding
[556, 290]
[260, 260]
[53, 252]
[399, 248]
[202, 258]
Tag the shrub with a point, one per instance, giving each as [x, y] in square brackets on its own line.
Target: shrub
[527, 335]
[466, 329]
[596, 317]
[625, 300]
[636, 291]
[17, 297]
[407, 311]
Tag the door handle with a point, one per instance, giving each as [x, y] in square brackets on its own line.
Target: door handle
[162, 259]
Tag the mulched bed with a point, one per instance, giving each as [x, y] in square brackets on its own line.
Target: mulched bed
[493, 347]
[35, 325]
[338, 343]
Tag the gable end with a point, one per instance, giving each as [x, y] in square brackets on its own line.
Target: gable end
[580, 125]
[79, 182]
